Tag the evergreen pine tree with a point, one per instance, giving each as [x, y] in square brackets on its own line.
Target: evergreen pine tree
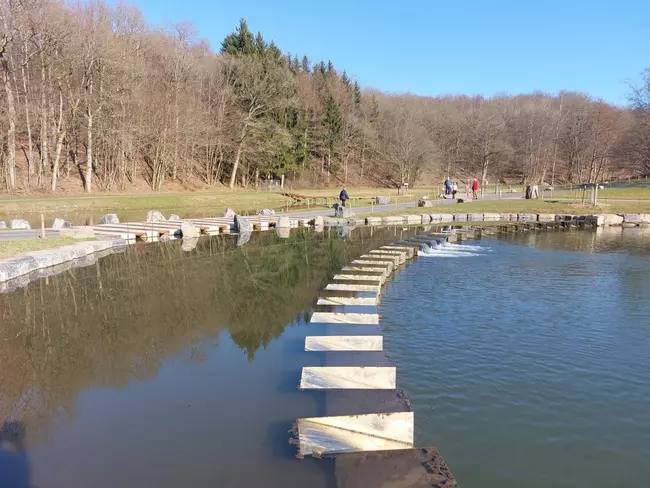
[330, 67]
[260, 44]
[345, 79]
[333, 125]
[305, 65]
[356, 92]
[239, 42]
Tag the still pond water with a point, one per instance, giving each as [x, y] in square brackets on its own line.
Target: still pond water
[525, 358]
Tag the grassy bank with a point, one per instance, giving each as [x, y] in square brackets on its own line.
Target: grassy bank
[11, 249]
[529, 206]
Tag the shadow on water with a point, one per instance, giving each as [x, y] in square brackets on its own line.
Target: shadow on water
[15, 468]
[117, 326]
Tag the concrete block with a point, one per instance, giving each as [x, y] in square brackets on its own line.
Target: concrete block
[425, 218]
[356, 433]
[373, 263]
[460, 217]
[526, 217]
[392, 219]
[383, 257]
[435, 218]
[475, 217]
[412, 219]
[446, 218]
[357, 277]
[373, 220]
[344, 343]
[491, 217]
[344, 318]
[348, 378]
[632, 219]
[342, 287]
[509, 217]
[546, 218]
[645, 218]
[342, 301]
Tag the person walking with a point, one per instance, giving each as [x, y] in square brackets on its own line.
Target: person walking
[475, 189]
[454, 190]
[447, 186]
[344, 197]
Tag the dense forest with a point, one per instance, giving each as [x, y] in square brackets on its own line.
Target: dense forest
[96, 99]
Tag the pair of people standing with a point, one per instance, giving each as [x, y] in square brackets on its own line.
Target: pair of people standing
[451, 188]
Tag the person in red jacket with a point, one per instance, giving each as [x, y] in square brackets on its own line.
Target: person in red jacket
[475, 189]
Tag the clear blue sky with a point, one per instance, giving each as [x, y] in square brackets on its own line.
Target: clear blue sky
[445, 46]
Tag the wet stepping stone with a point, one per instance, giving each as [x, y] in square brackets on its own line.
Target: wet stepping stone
[344, 343]
[348, 377]
[356, 433]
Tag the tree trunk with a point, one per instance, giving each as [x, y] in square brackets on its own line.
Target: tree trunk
[11, 131]
[240, 148]
[44, 138]
[59, 143]
[30, 146]
[89, 148]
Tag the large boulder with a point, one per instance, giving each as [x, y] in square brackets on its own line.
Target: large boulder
[189, 243]
[284, 222]
[266, 212]
[60, 224]
[19, 224]
[242, 225]
[229, 213]
[189, 231]
[344, 212]
[3, 225]
[382, 200]
[243, 238]
[283, 232]
[319, 221]
[109, 219]
[155, 216]
[174, 217]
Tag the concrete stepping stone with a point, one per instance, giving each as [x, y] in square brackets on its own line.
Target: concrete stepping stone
[356, 433]
[358, 277]
[348, 377]
[344, 343]
[394, 260]
[345, 318]
[345, 287]
[374, 263]
[338, 301]
[399, 254]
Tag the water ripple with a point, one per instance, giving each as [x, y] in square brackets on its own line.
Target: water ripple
[527, 365]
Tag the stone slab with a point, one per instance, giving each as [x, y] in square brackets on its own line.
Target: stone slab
[374, 263]
[356, 433]
[460, 217]
[338, 301]
[632, 218]
[357, 277]
[395, 260]
[491, 217]
[344, 343]
[348, 378]
[345, 318]
[401, 256]
[412, 219]
[475, 217]
[545, 217]
[526, 217]
[345, 287]
[409, 250]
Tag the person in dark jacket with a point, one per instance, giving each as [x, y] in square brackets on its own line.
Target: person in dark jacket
[344, 197]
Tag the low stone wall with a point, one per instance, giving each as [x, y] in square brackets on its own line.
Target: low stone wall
[26, 265]
[406, 219]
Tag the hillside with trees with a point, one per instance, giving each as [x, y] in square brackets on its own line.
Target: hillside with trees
[94, 99]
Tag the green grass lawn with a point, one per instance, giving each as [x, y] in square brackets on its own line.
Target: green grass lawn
[10, 249]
